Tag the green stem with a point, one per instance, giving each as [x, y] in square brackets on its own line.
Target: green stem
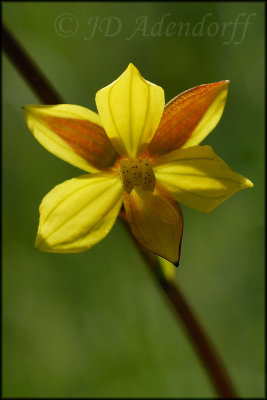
[182, 311]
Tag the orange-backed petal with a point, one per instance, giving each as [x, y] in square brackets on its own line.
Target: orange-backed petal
[156, 221]
[188, 118]
[72, 133]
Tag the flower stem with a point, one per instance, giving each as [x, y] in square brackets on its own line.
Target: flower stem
[28, 69]
[195, 332]
[208, 355]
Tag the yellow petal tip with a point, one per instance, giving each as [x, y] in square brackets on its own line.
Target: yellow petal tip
[225, 85]
[131, 65]
[248, 183]
[224, 82]
[132, 69]
[42, 244]
[39, 243]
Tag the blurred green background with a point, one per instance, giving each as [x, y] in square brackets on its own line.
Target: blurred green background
[96, 324]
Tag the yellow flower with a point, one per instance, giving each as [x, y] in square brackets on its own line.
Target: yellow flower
[138, 152]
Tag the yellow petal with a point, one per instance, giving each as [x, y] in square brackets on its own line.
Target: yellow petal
[198, 178]
[156, 221]
[78, 213]
[72, 133]
[188, 118]
[130, 109]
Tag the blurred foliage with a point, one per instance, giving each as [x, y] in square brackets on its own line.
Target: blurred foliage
[95, 324]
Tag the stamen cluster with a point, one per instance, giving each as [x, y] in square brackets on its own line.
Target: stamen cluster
[137, 172]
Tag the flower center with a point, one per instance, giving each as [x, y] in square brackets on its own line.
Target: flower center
[137, 172]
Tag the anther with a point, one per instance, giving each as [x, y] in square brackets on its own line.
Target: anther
[142, 175]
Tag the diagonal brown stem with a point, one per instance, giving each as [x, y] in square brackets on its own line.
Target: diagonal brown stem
[195, 332]
[28, 69]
